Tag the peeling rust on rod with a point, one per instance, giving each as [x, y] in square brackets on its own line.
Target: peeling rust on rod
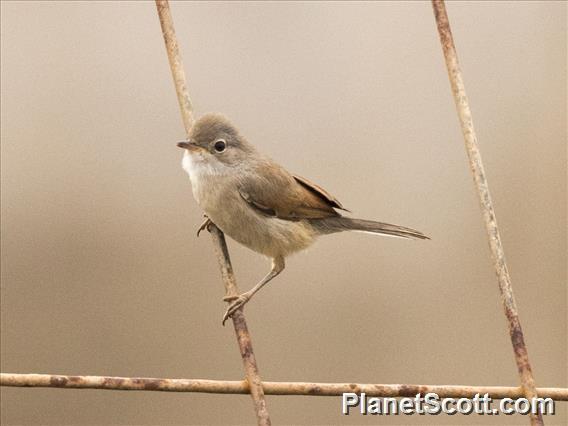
[477, 170]
[270, 388]
[241, 330]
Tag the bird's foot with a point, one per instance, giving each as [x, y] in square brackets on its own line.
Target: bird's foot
[205, 225]
[237, 302]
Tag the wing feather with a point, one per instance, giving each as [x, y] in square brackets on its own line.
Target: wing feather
[319, 191]
[274, 192]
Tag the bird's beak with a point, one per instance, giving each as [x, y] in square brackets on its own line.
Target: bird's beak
[188, 145]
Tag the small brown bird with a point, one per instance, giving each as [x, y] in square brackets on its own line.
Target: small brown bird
[260, 204]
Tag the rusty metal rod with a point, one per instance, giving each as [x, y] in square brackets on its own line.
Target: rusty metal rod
[270, 388]
[241, 329]
[476, 166]
[219, 244]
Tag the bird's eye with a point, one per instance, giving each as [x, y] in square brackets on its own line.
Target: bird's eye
[220, 145]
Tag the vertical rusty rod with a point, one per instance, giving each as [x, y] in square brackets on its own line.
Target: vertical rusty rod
[219, 244]
[476, 166]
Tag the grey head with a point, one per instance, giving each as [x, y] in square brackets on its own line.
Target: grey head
[214, 138]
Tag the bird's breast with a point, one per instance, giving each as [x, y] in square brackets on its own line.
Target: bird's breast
[217, 193]
[202, 175]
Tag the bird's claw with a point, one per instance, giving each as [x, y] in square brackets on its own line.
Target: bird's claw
[205, 225]
[237, 302]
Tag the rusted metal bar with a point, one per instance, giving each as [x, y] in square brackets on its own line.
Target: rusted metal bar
[176, 65]
[270, 388]
[476, 165]
[241, 329]
[243, 336]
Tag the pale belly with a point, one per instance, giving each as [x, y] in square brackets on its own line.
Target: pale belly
[269, 236]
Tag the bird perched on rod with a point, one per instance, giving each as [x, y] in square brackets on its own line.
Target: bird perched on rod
[260, 204]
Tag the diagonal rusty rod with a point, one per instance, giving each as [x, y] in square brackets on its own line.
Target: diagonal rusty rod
[270, 388]
[219, 244]
[476, 165]
[241, 329]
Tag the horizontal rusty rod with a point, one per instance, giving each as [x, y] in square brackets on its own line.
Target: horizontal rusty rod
[270, 388]
[480, 179]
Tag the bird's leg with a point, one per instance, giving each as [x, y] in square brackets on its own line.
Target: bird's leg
[205, 225]
[239, 301]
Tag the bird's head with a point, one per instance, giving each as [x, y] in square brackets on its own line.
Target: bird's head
[215, 142]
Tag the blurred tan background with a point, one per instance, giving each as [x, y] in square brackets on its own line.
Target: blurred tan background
[102, 273]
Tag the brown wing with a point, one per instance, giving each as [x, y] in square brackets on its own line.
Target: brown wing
[275, 192]
[320, 192]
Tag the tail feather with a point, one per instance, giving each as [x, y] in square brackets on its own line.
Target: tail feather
[339, 224]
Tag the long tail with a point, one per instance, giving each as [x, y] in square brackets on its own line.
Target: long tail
[331, 225]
